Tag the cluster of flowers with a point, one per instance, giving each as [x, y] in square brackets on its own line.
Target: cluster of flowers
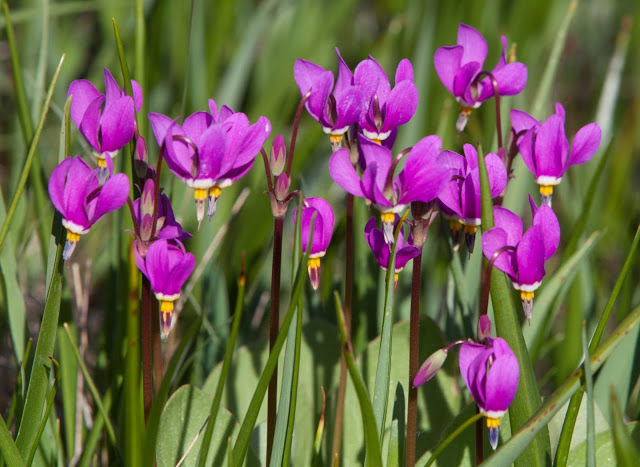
[209, 151]
[362, 113]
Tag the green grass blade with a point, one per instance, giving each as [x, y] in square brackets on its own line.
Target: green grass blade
[588, 376]
[564, 444]
[91, 441]
[554, 290]
[215, 405]
[45, 417]
[383, 369]
[140, 72]
[627, 453]
[38, 382]
[242, 441]
[509, 451]
[454, 434]
[92, 387]
[10, 453]
[32, 166]
[393, 454]
[527, 399]
[153, 422]
[372, 443]
[30, 157]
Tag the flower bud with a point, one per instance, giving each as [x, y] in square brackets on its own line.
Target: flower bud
[430, 367]
[278, 156]
[141, 158]
[147, 209]
[484, 328]
[282, 186]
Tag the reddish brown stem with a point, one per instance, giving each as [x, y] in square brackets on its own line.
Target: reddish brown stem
[479, 439]
[414, 350]
[147, 354]
[496, 93]
[274, 327]
[294, 133]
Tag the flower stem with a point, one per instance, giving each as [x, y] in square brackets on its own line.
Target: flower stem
[274, 326]
[147, 348]
[414, 349]
[348, 300]
[479, 438]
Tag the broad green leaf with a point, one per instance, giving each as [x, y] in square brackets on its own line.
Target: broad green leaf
[605, 449]
[626, 449]
[10, 453]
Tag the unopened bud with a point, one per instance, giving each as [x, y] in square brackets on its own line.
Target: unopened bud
[141, 158]
[484, 328]
[430, 367]
[278, 156]
[147, 203]
[282, 186]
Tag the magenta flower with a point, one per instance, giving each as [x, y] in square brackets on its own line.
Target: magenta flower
[491, 372]
[386, 108]
[382, 250]
[421, 179]
[460, 200]
[107, 121]
[322, 231]
[459, 67]
[76, 193]
[167, 266]
[545, 148]
[522, 257]
[335, 108]
[210, 151]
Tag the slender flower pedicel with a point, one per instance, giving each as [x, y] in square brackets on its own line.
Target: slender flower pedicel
[386, 108]
[522, 257]
[545, 147]
[210, 151]
[459, 67]
[76, 192]
[167, 266]
[405, 251]
[107, 120]
[335, 108]
[421, 179]
[322, 231]
[491, 373]
[460, 200]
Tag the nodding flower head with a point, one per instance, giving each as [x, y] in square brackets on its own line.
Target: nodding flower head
[491, 373]
[107, 121]
[459, 67]
[322, 231]
[522, 257]
[386, 108]
[381, 249]
[545, 147]
[335, 108]
[421, 179]
[210, 151]
[167, 266]
[460, 200]
[76, 192]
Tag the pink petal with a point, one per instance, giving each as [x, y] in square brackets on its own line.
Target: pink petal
[475, 46]
[401, 105]
[447, 61]
[585, 144]
[84, 93]
[118, 124]
[344, 174]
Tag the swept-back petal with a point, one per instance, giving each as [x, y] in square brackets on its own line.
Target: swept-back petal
[196, 124]
[402, 103]
[179, 155]
[90, 126]
[530, 255]
[160, 124]
[112, 90]
[585, 144]
[548, 222]
[522, 121]
[551, 148]
[502, 378]
[213, 147]
[350, 106]
[464, 76]
[325, 229]
[253, 141]
[492, 241]
[497, 174]
[314, 78]
[475, 46]
[113, 195]
[404, 254]
[468, 353]
[344, 174]
[137, 95]
[345, 76]
[447, 61]
[526, 145]
[404, 71]
[367, 76]
[470, 197]
[509, 222]
[118, 124]
[511, 79]
[57, 184]
[84, 93]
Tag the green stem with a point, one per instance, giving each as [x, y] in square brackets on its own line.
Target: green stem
[451, 437]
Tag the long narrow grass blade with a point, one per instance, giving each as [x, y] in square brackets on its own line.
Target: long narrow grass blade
[627, 453]
[30, 156]
[383, 369]
[92, 387]
[509, 451]
[442, 446]
[45, 416]
[316, 459]
[242, 441]
[32, 166]
[140, 72]
[217, 398]
[372, 443]
[564, 444]
[91, 441]
[10, 453]
[38, 382]
[393, 454]
[591, 428]
[527, 399]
